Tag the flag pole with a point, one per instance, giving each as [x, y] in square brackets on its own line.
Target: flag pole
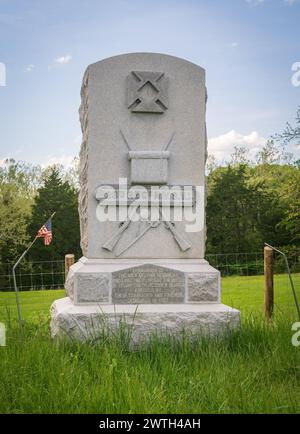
[15, 280]
[14, 273]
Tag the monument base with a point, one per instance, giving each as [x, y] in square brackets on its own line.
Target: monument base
[142, 281]
[91, 322]
[145, 297]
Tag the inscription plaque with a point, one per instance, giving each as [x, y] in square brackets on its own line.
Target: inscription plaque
[93, 288]
[148, 284]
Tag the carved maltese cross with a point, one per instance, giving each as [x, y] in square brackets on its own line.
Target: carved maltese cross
[147, 92]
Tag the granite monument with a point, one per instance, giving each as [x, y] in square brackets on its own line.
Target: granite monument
[142, 204]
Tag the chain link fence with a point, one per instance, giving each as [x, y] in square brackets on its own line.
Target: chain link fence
[241, 264]
[51, 274]
[33, 275]
[250, 264]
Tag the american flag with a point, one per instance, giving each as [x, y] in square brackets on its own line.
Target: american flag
[46, 232]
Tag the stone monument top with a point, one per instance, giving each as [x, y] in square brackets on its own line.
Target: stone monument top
[143, 120]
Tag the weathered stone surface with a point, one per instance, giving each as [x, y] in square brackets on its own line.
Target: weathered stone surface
[104, 153]
[83, 166]
[203, 286]
[148, 281]
[148, 284]
[143, 321]
[149, 167]
[147, 92]
[69, 285]
[92, 287]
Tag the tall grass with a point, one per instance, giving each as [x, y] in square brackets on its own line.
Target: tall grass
[254, 370]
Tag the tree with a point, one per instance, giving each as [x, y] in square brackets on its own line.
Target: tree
[291, 196]
[211, 164]
[18, 183]
[291, 133]
[14, 212]
[57, 195]
[273, 153]
[72, 174]
[26, 177]
[240, 155]
[241, 214]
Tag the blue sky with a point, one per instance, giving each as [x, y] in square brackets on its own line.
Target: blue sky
[247, 47]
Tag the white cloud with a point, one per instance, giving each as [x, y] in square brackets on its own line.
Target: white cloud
[259, 2]
[30, 67]
[255, 2]
[63, 59]
[221, 147]
[64, 160]
[233, 44]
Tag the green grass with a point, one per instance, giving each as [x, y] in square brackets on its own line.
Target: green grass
[247, 293]
[34, 304]
[243, 293]
[254, 370]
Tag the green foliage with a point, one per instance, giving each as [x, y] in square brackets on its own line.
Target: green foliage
[25, 177]
[241, 214]
[26, 196]
[273, 153]
[17, 185]
[291, 198]
[13, 213]
[55, 195]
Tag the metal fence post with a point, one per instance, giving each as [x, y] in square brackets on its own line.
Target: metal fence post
[269, 282]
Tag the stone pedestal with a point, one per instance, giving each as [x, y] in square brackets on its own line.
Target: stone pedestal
[133, 281]
[151, 296]
[89, 322]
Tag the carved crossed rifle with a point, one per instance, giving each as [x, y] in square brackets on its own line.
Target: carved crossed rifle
[183, 243]
[111, 243]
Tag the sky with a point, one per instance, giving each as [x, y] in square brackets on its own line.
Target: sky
[248, 48]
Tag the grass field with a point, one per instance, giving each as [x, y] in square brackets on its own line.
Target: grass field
[243, 293]
[255, 370]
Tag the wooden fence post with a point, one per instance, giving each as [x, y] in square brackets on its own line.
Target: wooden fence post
[269, 282]
[69, 260]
